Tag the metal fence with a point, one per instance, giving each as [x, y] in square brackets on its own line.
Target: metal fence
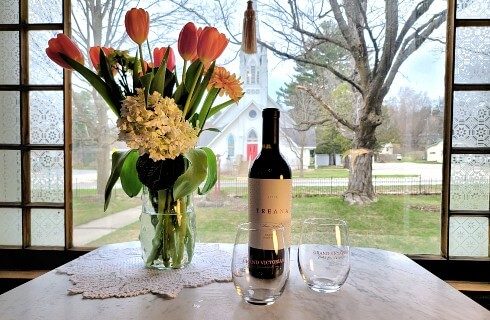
[309, 186]
[337, 186]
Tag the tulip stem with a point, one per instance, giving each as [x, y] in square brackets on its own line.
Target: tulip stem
[183, 71]
[149, 52]
[142, 61]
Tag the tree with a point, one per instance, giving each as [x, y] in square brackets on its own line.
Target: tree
[378, 39]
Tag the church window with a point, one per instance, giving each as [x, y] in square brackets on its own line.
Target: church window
[252, 114]
[252, 136]
[252, 74]
[231, 146]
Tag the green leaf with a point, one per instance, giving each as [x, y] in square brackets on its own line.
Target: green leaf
[102, 88]
[106, 72]
[214, 110]
[192, 72]
[145, 83]
[212, 129]
[197, 96]
[130, 182]
[118, 158]
[212, 171]
[206, 107]
[193, 176]
[158, 83]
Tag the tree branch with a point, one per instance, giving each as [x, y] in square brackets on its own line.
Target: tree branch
[323, 65]
[334, 114]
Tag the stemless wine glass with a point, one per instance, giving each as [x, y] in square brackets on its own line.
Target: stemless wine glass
[323, 253]
[260, 264]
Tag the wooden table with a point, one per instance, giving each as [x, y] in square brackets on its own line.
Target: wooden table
[381, 285]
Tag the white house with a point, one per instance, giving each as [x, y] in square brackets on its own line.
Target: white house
[434, 152]
[240, 138]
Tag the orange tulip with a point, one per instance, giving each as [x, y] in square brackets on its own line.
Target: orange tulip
[187, 43]
[64, 45]
[137, 22]
[94, 53]
[159, 53]
[210, 45]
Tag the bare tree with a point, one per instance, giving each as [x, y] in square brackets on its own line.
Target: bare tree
[378, 36]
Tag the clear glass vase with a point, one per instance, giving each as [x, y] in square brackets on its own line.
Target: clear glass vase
[167, 231]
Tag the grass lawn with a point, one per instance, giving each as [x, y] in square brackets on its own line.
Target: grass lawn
[87, 206]
[408, 224]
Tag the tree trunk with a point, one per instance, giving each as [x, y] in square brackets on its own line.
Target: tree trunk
[360, 189]
[301, 160]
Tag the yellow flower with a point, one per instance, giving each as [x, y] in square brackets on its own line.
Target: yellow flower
[227, 83]
[159, 130]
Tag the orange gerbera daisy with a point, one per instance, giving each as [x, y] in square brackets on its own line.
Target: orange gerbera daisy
[227, 83]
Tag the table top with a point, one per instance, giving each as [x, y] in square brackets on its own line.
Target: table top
[381, 285]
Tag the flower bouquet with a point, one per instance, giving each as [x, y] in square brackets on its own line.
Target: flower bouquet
[160, 118]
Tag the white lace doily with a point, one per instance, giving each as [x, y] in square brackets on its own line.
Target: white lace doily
[118, 271]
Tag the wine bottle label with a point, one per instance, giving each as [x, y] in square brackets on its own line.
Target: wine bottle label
[269, 201]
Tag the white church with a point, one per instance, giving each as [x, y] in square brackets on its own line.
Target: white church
[240, 138]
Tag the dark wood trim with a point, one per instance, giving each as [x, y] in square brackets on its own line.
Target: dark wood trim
[31, 26]
[36, 87]
[28, 147]
[33, 258]
[457, 269]
[471, 213]
[472, 23]
[41, 205]
[471, 87]
[459, 150]
[68, 140]
[447, 134]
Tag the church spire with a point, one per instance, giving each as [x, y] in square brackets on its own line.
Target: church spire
[253, 70]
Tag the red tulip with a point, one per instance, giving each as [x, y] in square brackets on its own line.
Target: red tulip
[187, 43]
[63, 44]
[137, 23]
[210, 45]
[94, 53]
[159, 53]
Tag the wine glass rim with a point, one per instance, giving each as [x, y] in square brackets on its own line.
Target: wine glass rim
[260, 225]
[325, 221]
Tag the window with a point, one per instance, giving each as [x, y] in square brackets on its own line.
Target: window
[466, 202]
[231, 146]
[35, 130]
[37, 189]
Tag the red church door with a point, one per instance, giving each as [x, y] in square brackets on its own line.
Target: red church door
[252, 149]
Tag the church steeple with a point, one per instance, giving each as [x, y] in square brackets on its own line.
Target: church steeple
[253, 70]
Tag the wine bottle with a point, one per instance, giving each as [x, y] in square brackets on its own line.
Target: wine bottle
[269, 200]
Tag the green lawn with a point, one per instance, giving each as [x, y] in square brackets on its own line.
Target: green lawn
[87, 206]
[408, 224]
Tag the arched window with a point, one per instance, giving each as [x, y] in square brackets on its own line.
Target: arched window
[252, 136]
[253, 73]
[231, 146]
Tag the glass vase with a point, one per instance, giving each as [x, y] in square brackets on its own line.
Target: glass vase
[167, 231]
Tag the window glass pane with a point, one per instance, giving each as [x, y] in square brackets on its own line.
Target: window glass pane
[10, 186]
[45, 11]
[10, 227]
[47, 227]
[46, 117]
[470, 182]
[9, 12]
[471, 119]
[473, 9]
[9, 117]
[468, 236]
[9, 51]
[47, 176]
[41, 69]
[472, 55]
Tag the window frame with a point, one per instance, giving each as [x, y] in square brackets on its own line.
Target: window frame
[29, 258]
